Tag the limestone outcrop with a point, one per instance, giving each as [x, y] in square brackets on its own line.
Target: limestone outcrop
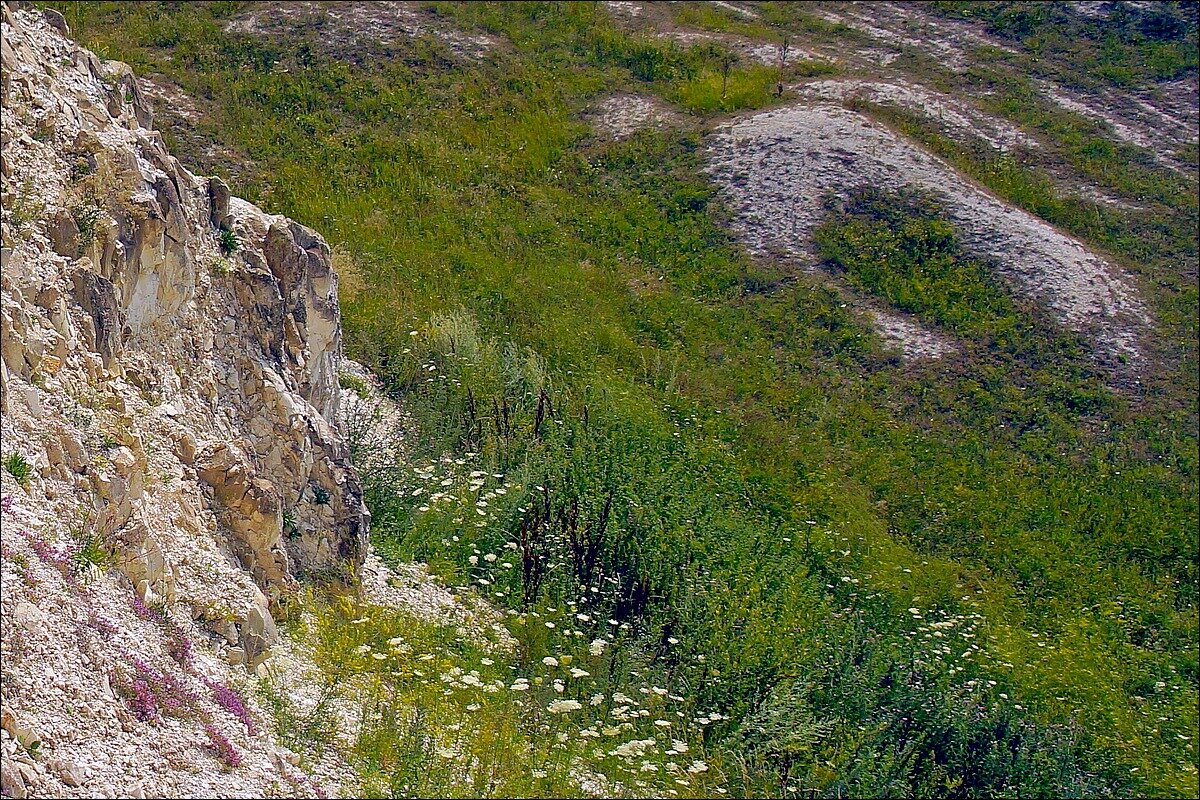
[169, 359]
[185, 315]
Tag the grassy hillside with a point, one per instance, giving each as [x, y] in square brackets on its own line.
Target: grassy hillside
[857, 575]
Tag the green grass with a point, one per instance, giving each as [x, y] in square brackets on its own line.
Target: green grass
[1130, 48]
[86, 216]
[355, 384]
[757, 491]
[448, 715]
[1155, 243]
[747, 87]
[901, 248]
[713, 18]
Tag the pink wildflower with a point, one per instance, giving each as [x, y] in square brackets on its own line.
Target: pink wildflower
[142, 610]
[232, 702]
[223, 746]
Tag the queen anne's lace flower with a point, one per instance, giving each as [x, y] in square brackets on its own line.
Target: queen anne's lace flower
[563, 706]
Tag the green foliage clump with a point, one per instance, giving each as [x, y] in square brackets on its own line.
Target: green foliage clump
[81, 167]
[16, 465]
[91, 550]
[290, 528]
[87, 216]
[227, 240]
[27, 208]
[354, 383]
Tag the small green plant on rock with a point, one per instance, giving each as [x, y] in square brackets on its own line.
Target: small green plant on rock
[81, 167]
[79, 417]
[228, 241]
[92, 550]
[87, 217]
[26, 208]
[354, 383]
[16, 465]
[290, 528]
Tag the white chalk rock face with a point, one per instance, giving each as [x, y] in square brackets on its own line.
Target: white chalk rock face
[168, 364]
[114, 267]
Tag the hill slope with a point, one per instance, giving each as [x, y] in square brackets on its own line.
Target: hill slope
[880, 479]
